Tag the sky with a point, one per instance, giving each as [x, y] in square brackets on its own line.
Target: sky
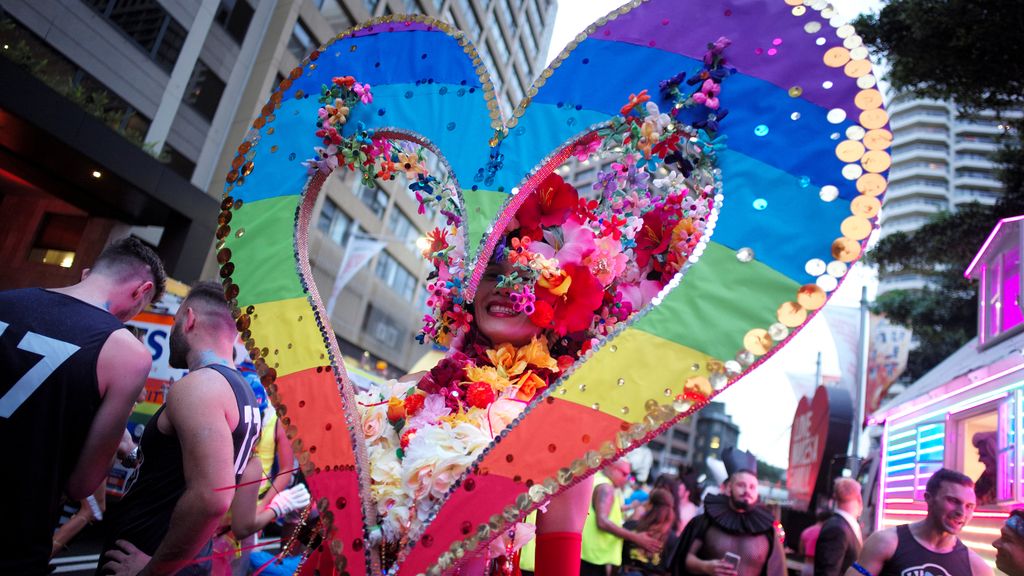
[762, 403]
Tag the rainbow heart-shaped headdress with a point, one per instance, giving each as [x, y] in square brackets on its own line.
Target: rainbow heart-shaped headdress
[795, 171]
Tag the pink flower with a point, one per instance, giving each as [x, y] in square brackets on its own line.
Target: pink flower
[584, 148]
[363, 90]
[607, 261]
[708, 94]
[577, 242]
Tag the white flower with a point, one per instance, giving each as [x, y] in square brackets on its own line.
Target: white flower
[674, 181]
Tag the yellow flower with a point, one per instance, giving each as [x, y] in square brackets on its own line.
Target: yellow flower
[557, 284]
[489, 375]
[506, 359]
[536, 354]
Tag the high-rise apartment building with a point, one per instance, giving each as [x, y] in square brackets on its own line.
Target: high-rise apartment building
[128, 113]
[940, 162]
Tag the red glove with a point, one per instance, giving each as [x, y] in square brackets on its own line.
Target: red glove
[558, 554]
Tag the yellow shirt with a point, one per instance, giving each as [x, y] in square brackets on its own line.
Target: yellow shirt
[600, 547]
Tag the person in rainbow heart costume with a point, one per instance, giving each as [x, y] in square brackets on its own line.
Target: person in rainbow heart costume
[434, 464]
[570, 269]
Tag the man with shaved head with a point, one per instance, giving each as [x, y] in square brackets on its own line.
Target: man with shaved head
[193, 450]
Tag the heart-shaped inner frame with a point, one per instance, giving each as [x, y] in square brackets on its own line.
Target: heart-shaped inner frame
[763, 265]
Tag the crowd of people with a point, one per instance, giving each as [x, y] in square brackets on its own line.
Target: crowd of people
[71, 374]
[204, 479]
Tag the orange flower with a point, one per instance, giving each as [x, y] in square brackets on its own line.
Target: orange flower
[536, 354]
[529, 385]
[634, 101]
[396, 409]
[346, 81]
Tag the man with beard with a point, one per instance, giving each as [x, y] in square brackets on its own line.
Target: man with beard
[929, 546]
[734, 536]
[69, 374]
[193, 450]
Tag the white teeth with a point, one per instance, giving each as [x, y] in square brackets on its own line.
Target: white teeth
[499, 309]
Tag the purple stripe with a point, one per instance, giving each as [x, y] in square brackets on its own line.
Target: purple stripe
[754, 27]
[394, 27]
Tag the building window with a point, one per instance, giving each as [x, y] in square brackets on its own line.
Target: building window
[375, 198]
[381, 327]
[528, 35]
[334, 223]
[396, 276]
[469, 15]
[371, 5]
[148, 25]
[179, 162]
[1000, 288]
[509, 13]
[499, 41]
[301, 42]
[337, 14]
[234, 17]
[204, 91]
[57, 239]
[402, 228]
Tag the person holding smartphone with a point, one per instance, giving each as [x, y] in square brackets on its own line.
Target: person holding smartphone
[734, 536]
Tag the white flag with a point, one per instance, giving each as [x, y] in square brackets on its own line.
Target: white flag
[359, 252]
[844, 323]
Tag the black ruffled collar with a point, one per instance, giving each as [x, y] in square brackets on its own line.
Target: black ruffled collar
[754, 521]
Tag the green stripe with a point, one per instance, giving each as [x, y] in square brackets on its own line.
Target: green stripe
[264, 256]
[718, 301]
[482, 208]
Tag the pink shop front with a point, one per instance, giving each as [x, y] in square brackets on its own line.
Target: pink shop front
[966, 414]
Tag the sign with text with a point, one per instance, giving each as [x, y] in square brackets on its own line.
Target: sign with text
[806, 447]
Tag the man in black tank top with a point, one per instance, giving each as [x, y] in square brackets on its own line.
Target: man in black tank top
[69, 375]
[193, 450]
[929, 547]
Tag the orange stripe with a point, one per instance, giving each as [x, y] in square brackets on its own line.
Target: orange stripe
[311, 402]
[536, 449]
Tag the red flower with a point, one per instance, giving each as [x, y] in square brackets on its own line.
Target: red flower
[448, 371]
[543, 314]
[343, 81]
[573, 311]
[652, 238]
[413, 404]
[406, 437]
[549, 205]
[479, 395]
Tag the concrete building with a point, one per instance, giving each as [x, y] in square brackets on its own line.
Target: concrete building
[715, 431]
[940, 161]
[674, 447]
[178, 83]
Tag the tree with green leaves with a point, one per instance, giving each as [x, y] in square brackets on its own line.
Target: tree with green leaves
[968, 52]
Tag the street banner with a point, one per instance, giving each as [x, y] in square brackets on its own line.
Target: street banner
[844, 324]
[887, 359]
[361, 249]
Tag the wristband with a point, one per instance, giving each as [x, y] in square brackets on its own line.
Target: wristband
[860, 569]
